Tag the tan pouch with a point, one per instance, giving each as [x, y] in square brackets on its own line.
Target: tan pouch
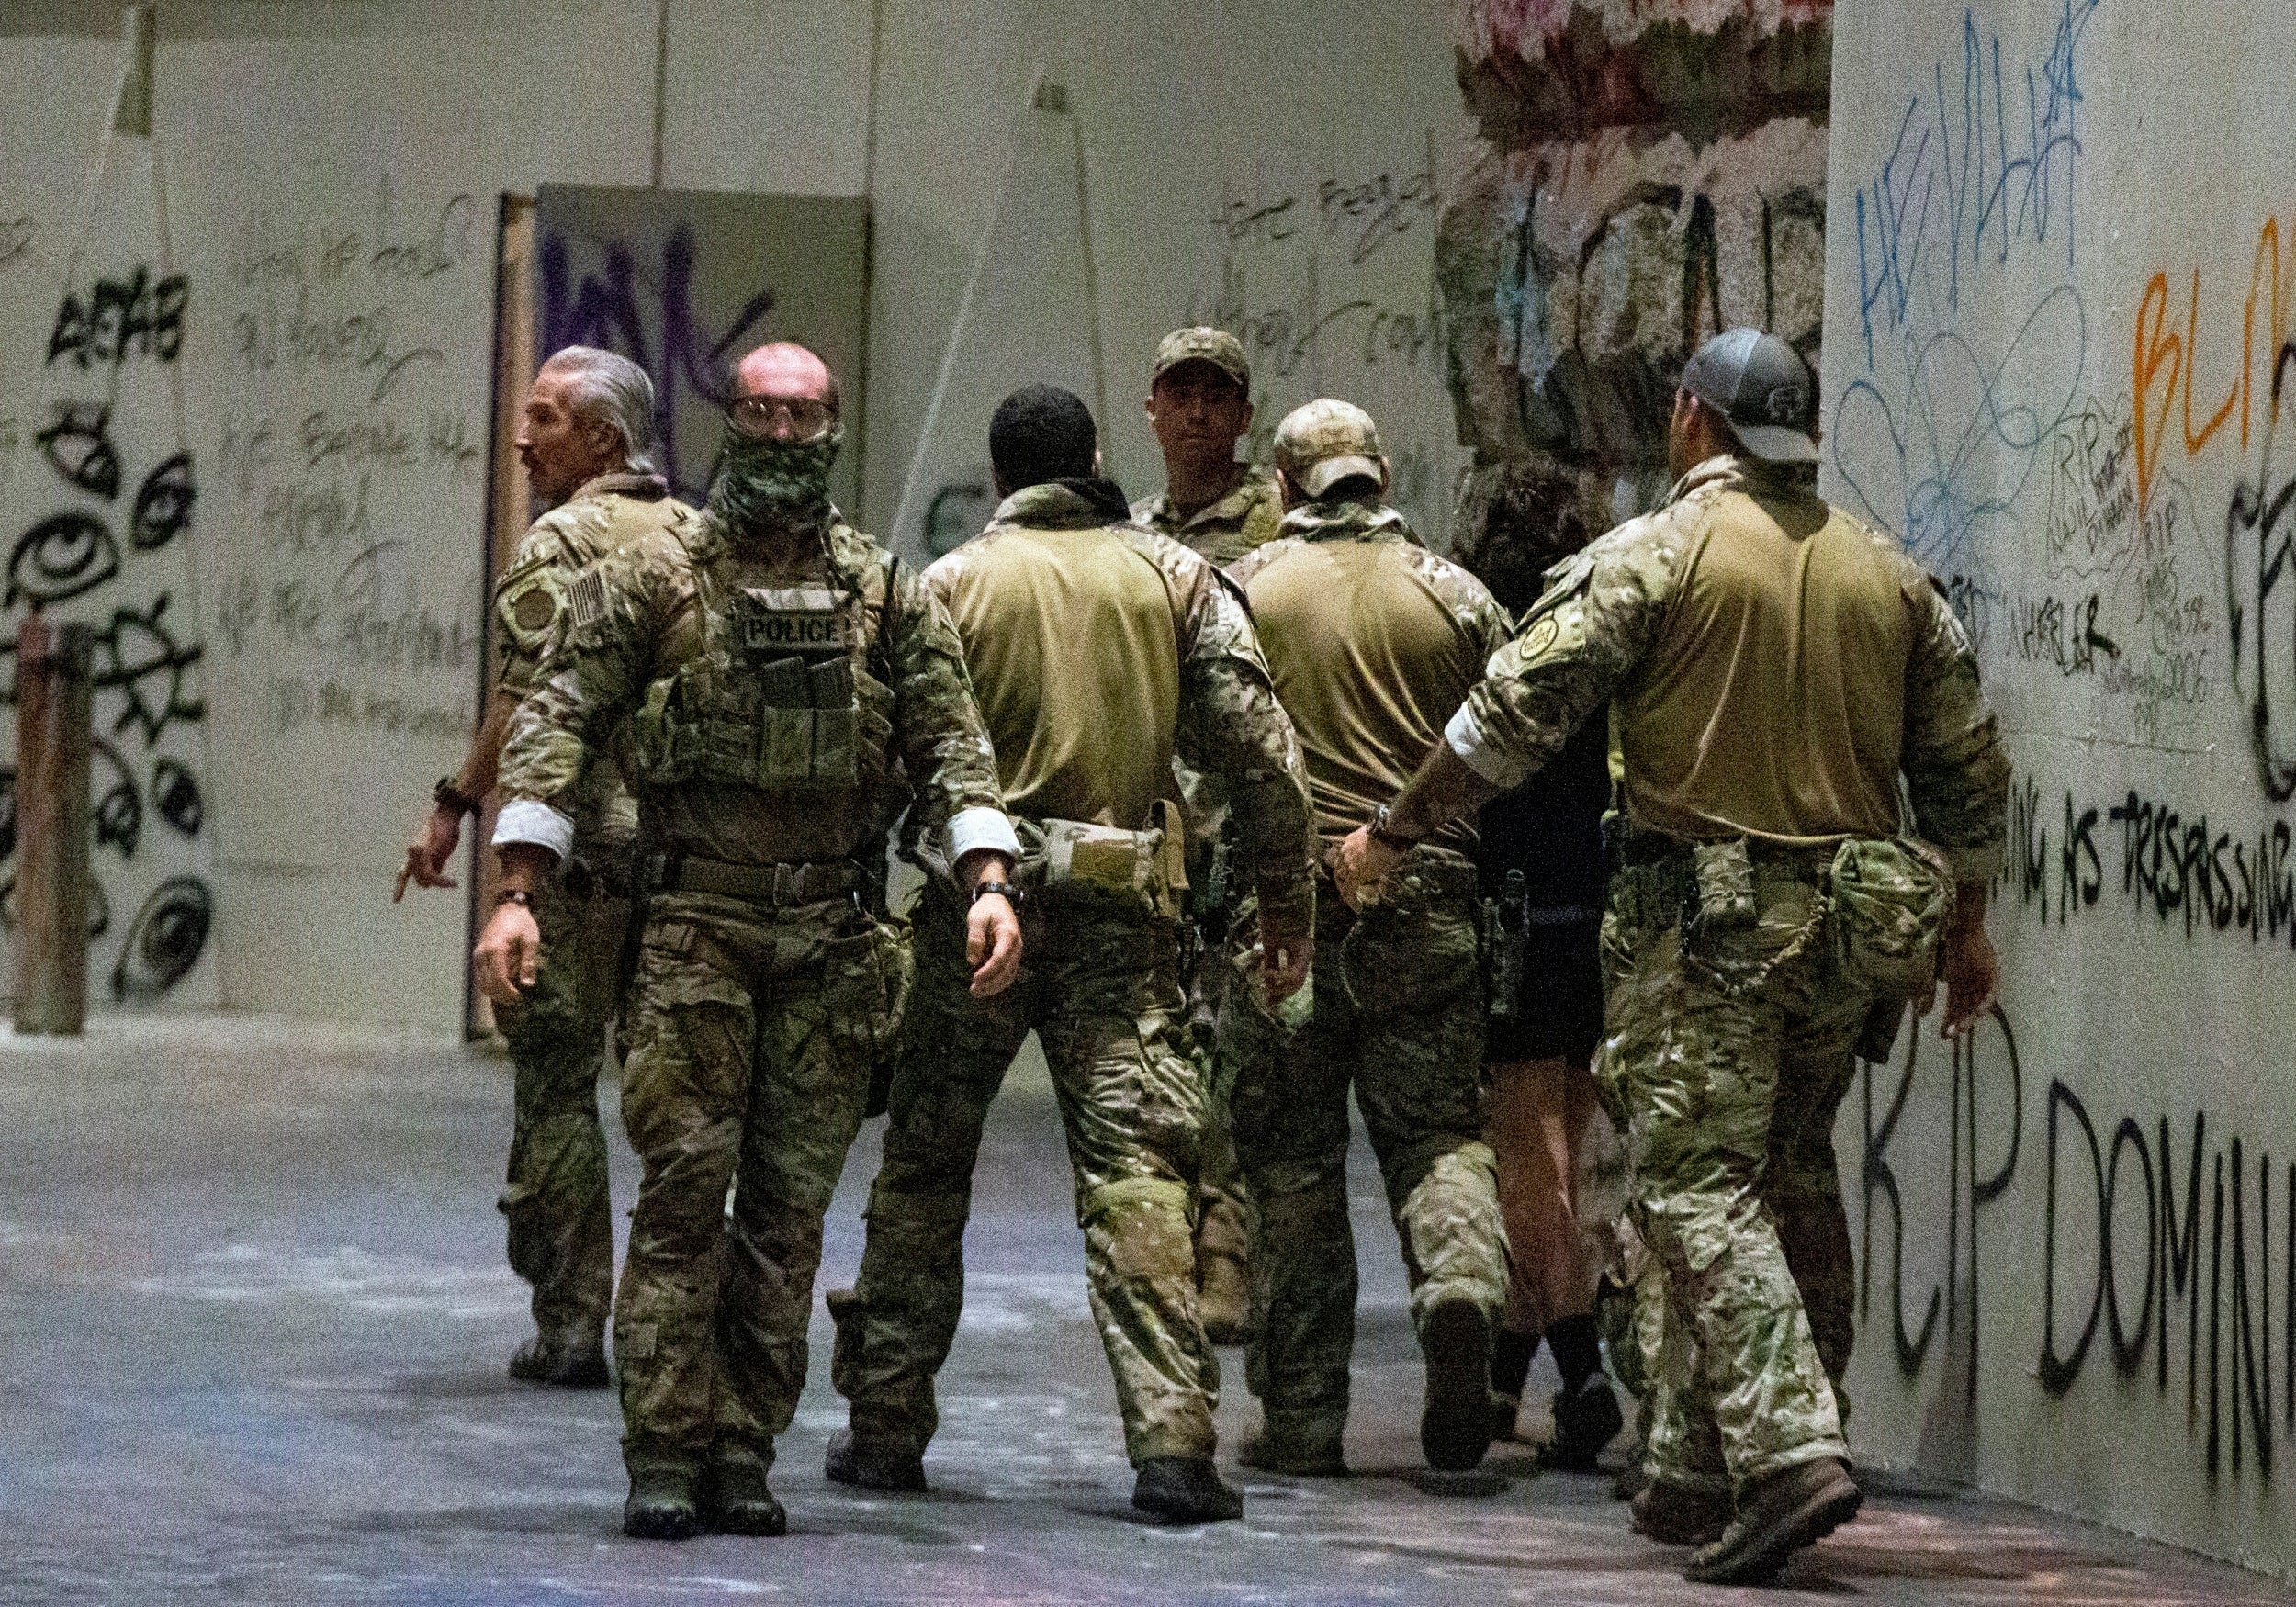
[1889, 899]
[1145, 870]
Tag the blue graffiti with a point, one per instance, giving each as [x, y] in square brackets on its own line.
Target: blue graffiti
[1944, 467]
[1971, 174]
[612, 309]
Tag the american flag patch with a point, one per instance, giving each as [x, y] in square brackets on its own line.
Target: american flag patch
[586, 600]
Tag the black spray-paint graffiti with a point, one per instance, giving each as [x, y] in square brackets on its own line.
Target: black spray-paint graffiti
[144, 668]
[2259, 563]
[132, 317]
[617, 308]
[2138, 1213]
[165, 940]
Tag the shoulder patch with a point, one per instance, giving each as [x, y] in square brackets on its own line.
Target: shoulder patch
[530, 599]
[1559, 632]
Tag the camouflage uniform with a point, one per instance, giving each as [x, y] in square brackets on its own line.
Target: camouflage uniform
[561, 1232]
[1221, 533]
[765, 707]
[1713, 1017]
[1398, 1011]
[1098, 984]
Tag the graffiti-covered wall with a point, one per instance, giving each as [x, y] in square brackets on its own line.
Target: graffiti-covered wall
[1645, 175]
[2058, 302]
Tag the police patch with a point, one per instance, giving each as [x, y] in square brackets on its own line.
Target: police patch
[794, 619]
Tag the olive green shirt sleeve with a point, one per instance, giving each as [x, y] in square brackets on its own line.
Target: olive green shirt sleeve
[1577, 646]
[1956, 773]
[938, 728]
[1231, 726]
[597, 671]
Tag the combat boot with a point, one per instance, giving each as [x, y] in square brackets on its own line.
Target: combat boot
[576, 1362]
[1792, 1508]
[662, 1504]
[1184, 1490]
[873, 1464]
[736, 1498]
[1584, 1424]
[1302, 1453]
[1454, 1425]
[1680, 1514]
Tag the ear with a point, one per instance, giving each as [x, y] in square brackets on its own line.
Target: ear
[1387, 474]
[1290, 492]
[1098, 464]
[996, 483]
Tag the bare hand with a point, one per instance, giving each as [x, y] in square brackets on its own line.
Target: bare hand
[1972, 973]
[509, 953]
[428, 854]
[992, 945]
[1361, 862]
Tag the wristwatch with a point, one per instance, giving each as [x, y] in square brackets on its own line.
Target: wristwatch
[1012, 895]
[1385, 833]
[448, 795]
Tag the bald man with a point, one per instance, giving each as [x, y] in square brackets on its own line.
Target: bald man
[774, 666]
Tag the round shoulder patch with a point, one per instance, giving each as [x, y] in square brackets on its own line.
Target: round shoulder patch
[1542, 635]
[533, 609]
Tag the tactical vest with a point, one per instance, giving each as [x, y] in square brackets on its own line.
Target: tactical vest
[789, 697]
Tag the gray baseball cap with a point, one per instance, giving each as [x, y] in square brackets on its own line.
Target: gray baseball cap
[1763, 388]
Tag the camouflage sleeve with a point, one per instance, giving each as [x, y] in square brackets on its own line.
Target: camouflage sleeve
[938, 729]
[1956, 773]
[1231, 727]
[1583, 638]
[528, 601]
[597, 669]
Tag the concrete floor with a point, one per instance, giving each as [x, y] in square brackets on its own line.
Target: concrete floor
[253, 1315]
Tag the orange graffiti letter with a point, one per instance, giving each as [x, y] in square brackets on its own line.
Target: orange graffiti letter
[2192, 444]
[2149, 355]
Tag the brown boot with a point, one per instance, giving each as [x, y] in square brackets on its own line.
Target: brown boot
[1680, 1514]
[1792, 1508]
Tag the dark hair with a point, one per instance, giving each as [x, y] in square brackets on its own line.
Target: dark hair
[1516, 522]
[1042, 433]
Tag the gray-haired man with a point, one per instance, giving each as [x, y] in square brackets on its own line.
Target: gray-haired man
[586, 437]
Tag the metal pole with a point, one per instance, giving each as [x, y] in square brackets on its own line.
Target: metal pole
[52, 825]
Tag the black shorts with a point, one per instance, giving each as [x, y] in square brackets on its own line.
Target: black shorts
[1560, 1016]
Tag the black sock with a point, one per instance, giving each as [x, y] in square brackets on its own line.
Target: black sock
[1577, 1350]
[1511, 1356]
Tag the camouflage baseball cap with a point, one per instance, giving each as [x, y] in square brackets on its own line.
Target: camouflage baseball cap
[1321, 443]
[1203, 343]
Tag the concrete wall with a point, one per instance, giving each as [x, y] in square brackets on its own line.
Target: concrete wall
[2057, 307]
[333, 174]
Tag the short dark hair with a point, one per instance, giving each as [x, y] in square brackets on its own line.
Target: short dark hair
[1042, 433]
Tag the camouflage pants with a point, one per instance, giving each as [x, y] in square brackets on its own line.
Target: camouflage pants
[560, 1218]
[1707, 1044]
[1399, 1018]
[1224, 1219]
[750, 1038]
[1097, 986]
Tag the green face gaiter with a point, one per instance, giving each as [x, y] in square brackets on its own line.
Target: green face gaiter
[766, 483]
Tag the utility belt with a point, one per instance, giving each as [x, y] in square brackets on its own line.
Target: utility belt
[777, 884]
[1143, 871]
[1882, 902]
[584, 878]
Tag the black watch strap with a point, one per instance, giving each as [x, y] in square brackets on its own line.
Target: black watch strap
[1011, 894]
[448, 795]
